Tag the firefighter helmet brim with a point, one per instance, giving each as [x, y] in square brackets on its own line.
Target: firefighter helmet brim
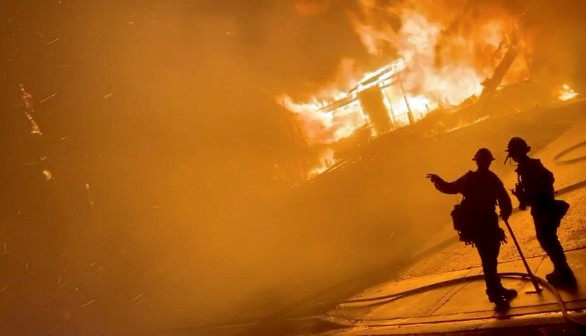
[517, 146]
[483, 154]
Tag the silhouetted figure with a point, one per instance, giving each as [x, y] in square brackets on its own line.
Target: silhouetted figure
[476, 220]
[534, 188]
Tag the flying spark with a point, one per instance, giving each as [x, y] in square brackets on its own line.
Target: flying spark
[51, 96]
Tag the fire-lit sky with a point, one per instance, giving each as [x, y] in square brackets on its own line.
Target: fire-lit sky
[152, 180]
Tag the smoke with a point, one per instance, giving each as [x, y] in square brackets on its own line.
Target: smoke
[166, 110]
[555, 29]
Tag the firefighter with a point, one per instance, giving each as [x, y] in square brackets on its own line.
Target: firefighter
[476, 220]
[534, 188]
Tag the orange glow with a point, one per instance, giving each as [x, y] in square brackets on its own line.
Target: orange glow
[567, 93]
[311, 7]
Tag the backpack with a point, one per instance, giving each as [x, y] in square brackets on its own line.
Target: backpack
[462, 221]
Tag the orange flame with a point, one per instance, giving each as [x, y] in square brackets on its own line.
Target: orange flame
[566, 93]
[325, 127]
[327, 160]
[447, 68]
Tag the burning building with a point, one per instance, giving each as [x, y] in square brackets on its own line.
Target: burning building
[455, 58]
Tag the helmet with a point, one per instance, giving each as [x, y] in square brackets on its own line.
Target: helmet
[483, 154]
[517, 146]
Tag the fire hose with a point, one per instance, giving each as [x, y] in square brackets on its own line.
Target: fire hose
[514, 275]
[352, 322]
[529, 272]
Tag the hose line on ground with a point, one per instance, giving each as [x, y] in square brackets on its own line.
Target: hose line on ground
[522, 276]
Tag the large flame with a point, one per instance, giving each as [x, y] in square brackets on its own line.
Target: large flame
[445, 53]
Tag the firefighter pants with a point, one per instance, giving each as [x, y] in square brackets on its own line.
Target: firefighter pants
[489, 252]
[546, 232]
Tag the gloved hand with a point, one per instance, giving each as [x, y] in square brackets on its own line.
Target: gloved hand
[434, 178]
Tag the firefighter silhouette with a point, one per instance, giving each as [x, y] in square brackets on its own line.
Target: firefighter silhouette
[476, 220]
[534, 188]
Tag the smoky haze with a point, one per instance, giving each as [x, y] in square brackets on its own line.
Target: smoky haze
[160, 138]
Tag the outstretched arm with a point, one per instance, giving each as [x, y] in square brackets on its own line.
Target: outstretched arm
[446, 187]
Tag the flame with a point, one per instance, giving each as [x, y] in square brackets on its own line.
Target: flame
[323, 127]
[447, 69]
[443, 55]
[567, 93]
[327, 160]
[326, 127]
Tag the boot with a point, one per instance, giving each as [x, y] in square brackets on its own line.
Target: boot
[508, 294]
[499, 301]
[562, 278]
